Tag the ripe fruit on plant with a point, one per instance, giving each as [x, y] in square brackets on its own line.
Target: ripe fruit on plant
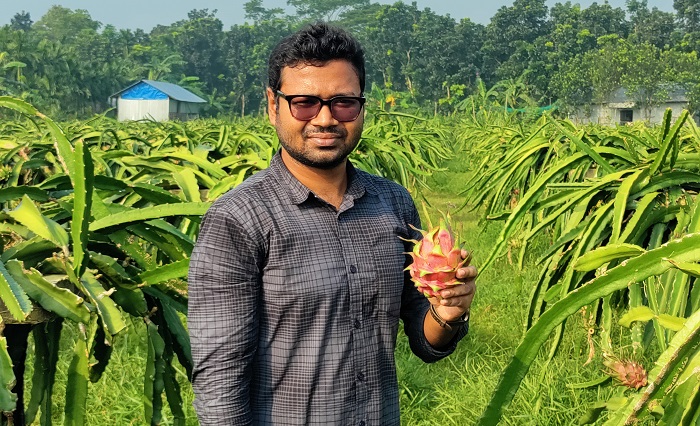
[436, 258]
[626, 372]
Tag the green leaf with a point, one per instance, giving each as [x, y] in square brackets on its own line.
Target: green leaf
[602, 255]
[166, 272]
[63, 147]
[153, 384]
[580, 144]
[77, 382]
[639, 313]
[146, 213]
[179, 334]
[528, 200]
[18, 105]
[642, 210]
[188, 183]
[51, 297]
[29, 215]
[47, 337]
[109, 313]
[589, 384]
[621, 199]
[634, 270]
[155, 194]
[671, 322]
[203, 163]
[666, 370]
[15, 192]
[13, 296]
[692, 269]
[82, 205]
[127, 295]
[684, 403]
[669, 140]
[8, 400]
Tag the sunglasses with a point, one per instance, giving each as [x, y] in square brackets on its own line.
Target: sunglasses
[307, 107]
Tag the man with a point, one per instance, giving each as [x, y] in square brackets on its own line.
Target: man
[297, 280]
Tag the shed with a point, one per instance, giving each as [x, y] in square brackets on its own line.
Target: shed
[156, 100]
[620, 108]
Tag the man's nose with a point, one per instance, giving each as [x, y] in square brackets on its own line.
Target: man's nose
[324, 117]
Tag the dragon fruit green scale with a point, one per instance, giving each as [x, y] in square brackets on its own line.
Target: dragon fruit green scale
[436, 258]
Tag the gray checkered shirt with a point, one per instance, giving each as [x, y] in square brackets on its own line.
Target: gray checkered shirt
[294, 307]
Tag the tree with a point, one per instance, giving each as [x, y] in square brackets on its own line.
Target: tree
[326, 10]
[199, 40]
[653, 27]
[688, 14]
[435, 58]
[512, 29]
[359, 19]
[644, 76]
[390, 45]
[246, 49]
[255, 11]
[603, 19]
[22, 21]
[65, 25]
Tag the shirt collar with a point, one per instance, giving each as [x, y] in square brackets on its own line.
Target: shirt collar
[298, 193]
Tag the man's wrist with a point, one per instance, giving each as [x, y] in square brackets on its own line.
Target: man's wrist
[448, 324]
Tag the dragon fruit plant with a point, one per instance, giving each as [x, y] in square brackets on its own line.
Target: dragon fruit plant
[436, 258]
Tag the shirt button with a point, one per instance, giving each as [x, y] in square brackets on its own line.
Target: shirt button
[362, 423]
[361, 376]
[353, 268]
[358, 324]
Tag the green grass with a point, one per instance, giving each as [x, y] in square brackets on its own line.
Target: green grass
[453, 391]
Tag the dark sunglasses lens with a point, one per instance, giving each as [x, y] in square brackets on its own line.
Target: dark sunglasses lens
[305, 108]
[345, 109]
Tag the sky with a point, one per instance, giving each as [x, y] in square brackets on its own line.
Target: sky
[133, 14]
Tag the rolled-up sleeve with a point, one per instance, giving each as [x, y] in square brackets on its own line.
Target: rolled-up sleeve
[224, 287]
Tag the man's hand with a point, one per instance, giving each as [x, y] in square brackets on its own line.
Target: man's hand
[456, 300]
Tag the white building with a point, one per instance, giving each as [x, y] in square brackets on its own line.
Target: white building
[156, 100]
[621, 109]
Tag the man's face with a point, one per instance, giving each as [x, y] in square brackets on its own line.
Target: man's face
[322, 142]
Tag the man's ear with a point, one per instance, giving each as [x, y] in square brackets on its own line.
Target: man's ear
[271, 106]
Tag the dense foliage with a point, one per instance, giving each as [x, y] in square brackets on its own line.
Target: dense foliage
[619, 213]
[99, 219]
[68, 64]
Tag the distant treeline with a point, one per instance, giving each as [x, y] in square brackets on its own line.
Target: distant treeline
[68, 64]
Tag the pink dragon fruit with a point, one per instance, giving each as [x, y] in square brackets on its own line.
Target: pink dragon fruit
[436, 258]
[626, 372]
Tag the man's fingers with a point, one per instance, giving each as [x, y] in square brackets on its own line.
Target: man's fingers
[459, 290]
[467, 272]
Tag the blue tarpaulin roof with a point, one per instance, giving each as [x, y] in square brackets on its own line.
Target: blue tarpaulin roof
[158, 90]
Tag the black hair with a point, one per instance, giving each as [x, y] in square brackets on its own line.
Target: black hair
[315, 44]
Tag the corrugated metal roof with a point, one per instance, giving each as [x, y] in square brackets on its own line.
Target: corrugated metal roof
[175, 92]
[675, 94]
[172, 90]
